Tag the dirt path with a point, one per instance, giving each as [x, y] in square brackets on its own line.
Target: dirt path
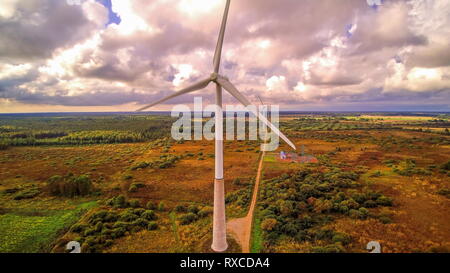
[241, 228]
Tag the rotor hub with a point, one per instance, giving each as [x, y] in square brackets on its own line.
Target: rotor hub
[214, 77]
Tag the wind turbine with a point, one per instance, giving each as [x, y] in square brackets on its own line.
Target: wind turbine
[219, 243]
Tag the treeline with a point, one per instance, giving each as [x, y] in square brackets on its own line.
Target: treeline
[34, 131]
[310, 124]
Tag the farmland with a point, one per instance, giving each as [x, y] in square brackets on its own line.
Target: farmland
[119, 183]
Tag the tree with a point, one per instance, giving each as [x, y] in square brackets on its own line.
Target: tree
[269, 224]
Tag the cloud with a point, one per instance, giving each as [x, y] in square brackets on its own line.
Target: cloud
[33, 29]
[290, 52]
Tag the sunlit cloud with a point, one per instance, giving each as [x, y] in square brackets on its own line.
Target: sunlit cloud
[58, 55]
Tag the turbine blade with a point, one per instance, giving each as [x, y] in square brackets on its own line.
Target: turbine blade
[227, 85]
[218, 53]
[197, 86]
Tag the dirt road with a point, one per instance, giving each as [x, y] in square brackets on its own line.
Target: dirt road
[241, 228]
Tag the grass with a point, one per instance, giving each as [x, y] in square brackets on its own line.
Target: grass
[31, 231]
[269, 158]
[173, 221]
[256, 237]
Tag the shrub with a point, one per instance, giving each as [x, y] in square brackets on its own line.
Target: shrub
[269, 224]
[355, 214]
[151, 205]
[333, 248]
[193, 209]
[342, 238]
[98, 216]
[446, 166]
[133, 188]
[27, 193]
[134, 203]
[384, 201]
[180, 208]
[324, 234]
[290, 229]
[11, 190]
[237, 182]
[188, 218]
[120, 224]
[127, 216]
[161, 206]
[70, 185]
[444, 192]
[363, 212]
[118, 202]
[138, 211]
[370, 204]
[127, 177]
[89, 232]
[385, 219]
[78, 228]
[118, 232]
[205, 211]
[140, 222]
[149, 215]
[152, 225]
[140, 165]
[3, 146]
[98, 227]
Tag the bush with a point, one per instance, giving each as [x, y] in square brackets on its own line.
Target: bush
[69, 185]
[78, 228]
[446, 166]
[138, 211]
[384, 201]
[133, 188]
[134, 203]
[237, 182]
[27, 193]
[193, 209]
[118, 202]
[140, 165]
[151, 205]
[152, 225]
[269, 224]
[140, 222]
[180, 208]
[118, 232]
[342, 238]
[127, 216]
[444, 192]
[161, 206]
[188, 218]
[149, 215]
[120, 224]
[3, 146]
[385, 219]
[333, 248]
[205, 211]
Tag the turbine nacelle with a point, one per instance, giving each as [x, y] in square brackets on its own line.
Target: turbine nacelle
[214, 76]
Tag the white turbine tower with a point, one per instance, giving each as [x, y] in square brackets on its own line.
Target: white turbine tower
[219, 243]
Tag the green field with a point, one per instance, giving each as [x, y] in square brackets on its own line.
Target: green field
[29, 231]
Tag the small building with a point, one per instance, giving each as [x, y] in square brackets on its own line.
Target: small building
[283, 155]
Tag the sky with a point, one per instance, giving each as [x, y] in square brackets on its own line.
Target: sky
[304, 55]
